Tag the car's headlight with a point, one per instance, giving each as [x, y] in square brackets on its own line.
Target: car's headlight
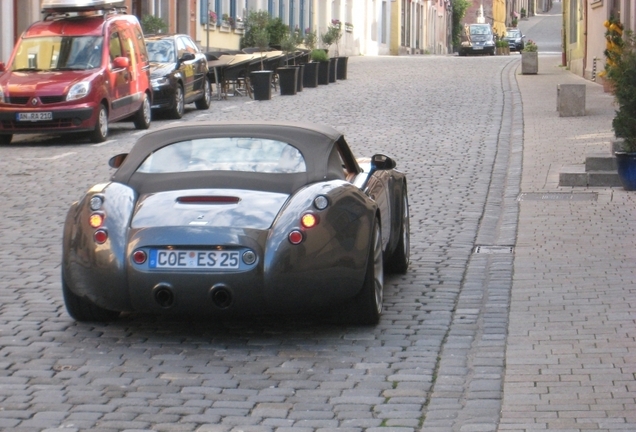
[159, 82]
[489, 43]
[78, 91]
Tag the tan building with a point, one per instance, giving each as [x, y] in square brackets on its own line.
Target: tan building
[585, 33]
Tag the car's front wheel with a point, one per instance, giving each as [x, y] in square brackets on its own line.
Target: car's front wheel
[204, 102]
[82, 309]
[366, 307]
[100, 132]
[177, 110]
[142, 117]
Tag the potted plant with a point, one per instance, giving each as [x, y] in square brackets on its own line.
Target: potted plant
[613, 48]
[320, 56]
[341, 65]
[328, 39]
[288, 75]
[310, 74]
[261, 80]
[622, 73]
[530, 59]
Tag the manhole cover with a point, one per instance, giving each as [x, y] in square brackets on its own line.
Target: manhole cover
[61, 368]
[494, 249]
[558, 196]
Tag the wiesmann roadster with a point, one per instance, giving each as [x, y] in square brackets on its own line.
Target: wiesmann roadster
[226, 219]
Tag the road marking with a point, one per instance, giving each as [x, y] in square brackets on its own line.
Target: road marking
[104, 143]
[60, 156]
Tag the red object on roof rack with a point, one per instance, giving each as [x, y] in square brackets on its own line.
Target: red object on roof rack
[61, 6]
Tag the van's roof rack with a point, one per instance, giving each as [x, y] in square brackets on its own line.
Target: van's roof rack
[64, 6]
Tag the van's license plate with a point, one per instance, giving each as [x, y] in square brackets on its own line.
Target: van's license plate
[193, 259]
[35, 116]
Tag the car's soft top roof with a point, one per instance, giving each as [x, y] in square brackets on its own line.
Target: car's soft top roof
[315, 142]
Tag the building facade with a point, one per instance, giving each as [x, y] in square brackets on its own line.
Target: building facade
[584, 32]
[370, 27]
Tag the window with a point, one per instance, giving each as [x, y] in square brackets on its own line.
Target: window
[226, 154]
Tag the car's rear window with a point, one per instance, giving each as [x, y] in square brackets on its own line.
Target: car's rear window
[480, 29]
[225, 154]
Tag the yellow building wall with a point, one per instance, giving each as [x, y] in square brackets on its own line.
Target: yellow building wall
[573, 25]
[395, 27]
[499, 16]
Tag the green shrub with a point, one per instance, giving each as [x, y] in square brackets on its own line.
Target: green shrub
[151, 24]
[319, 55]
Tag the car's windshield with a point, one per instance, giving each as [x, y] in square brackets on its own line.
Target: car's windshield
[512, 33]
[160, 51]
[225, 154]
[58, 53]
[479, 30]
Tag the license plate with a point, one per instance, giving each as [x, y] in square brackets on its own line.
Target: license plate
[35, 116]
[193, 259]
[477, 47]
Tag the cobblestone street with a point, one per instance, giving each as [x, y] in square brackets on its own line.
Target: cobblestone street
[454, 126]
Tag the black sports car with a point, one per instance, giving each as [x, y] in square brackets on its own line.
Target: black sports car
[178, 74]
[237, 218]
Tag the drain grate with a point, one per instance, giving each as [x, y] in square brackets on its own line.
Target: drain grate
[558, 196]
[494, 249]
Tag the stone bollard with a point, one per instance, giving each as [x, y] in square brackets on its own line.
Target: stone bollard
[571, 100]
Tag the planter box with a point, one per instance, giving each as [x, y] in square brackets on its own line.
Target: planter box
[323, 72]
[287, 76]
[529, 63]
[341, 69]
[262, 82]
[310, 75]
[333, 68]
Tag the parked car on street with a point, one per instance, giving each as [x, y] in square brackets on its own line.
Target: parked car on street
[477, 39]
[77, 70]
[237, 218]
[178, 73]
[515, 39]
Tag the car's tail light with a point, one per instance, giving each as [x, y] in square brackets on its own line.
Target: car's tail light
[321, 202]
[96, 203]
[96, 220]
[309, 220]
[100, 236]
[295, 237]
[139, 257]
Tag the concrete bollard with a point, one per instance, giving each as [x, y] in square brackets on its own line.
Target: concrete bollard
[571, 100]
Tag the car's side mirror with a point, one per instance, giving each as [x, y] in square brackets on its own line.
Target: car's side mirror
[116, 161]
[121, 63]
[2, 67]
[187, 57]
[382, 162]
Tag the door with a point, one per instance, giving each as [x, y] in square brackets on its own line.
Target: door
[187, 68]
[119, 77]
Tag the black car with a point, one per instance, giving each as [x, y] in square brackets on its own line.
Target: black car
[477, 39]
[238, 218]
[514, 37]
[178, 73]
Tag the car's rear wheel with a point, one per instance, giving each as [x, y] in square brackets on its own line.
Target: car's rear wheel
[366, 307]
[82, 309]
[399, 261]
[142, 117]
[100, 132]
[177, 110]
[204, 102]
[5, 139]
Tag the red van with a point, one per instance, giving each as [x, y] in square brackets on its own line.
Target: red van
[75, 71]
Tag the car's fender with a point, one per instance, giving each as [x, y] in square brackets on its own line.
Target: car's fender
[331, 260]
[92, 270]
